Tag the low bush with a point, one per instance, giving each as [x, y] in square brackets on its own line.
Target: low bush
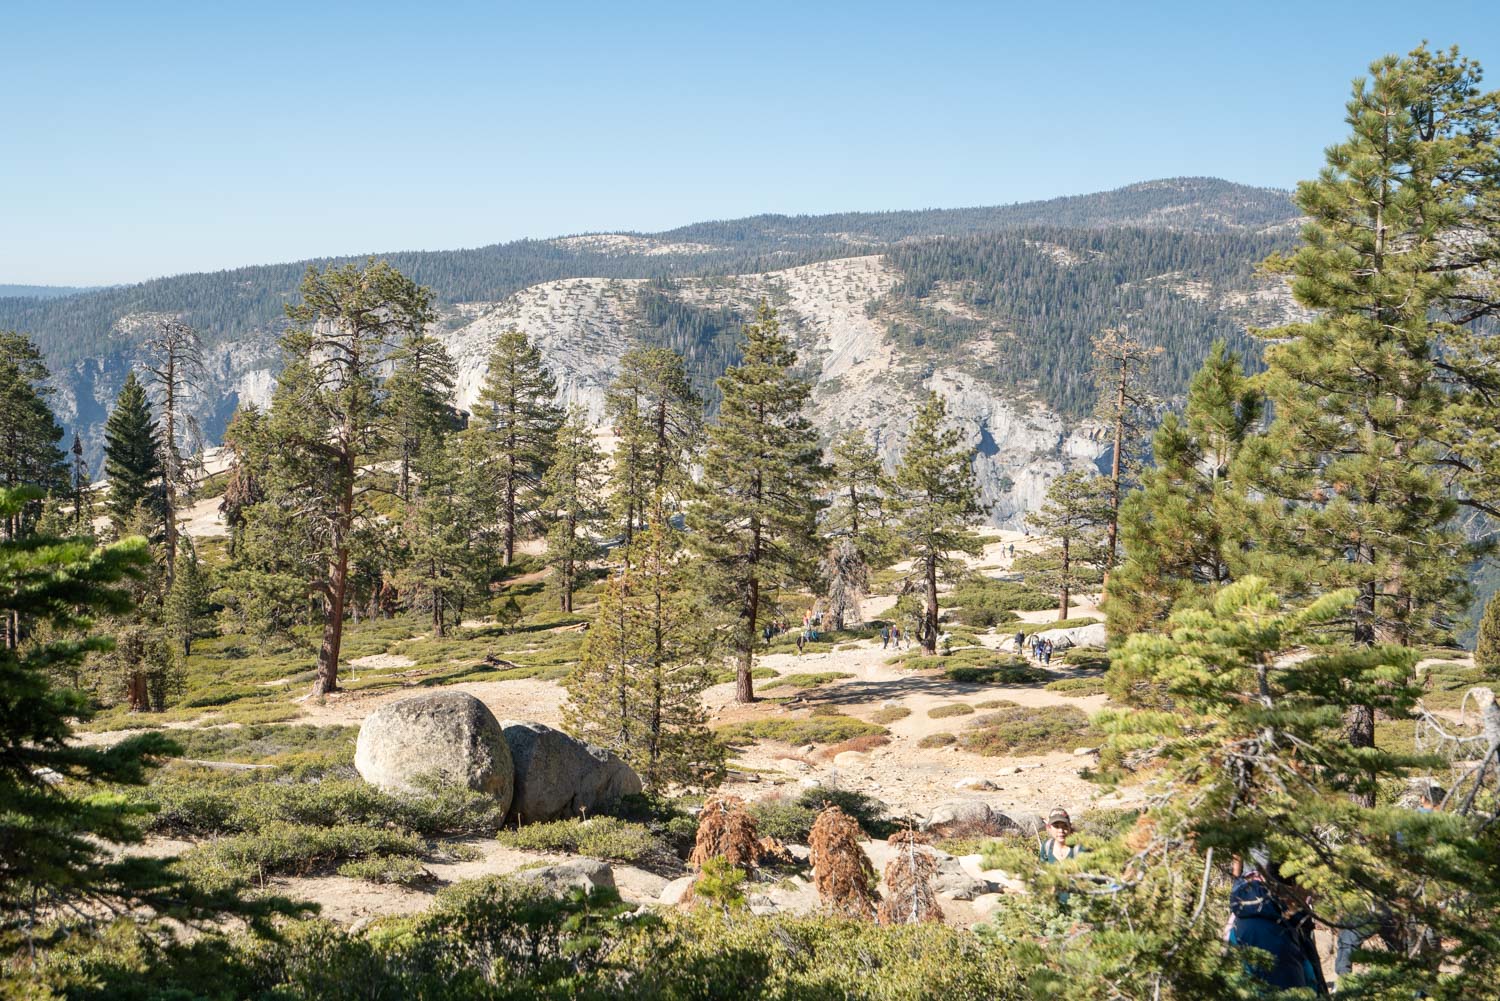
[1012, 673]
[724, 676]
[397, 870]
[1078, 687]
[289, 849]
[985, 601]
[951, 709]
[868, 742]
[597, 837]
[809, 680]
[1022, 730]
[890, 714]
[828, 728]
[790, 819]
[936, 740]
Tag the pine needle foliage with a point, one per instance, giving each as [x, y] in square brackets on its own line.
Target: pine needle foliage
[752, 520]
[726, 830]
[909, 875]
[132, 459]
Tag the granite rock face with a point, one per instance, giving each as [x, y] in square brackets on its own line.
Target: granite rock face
[559, 776]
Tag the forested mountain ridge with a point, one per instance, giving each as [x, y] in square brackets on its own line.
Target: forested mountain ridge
[996, 304]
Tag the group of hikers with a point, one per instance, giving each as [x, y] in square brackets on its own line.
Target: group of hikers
[1040, 650]
[893, 636]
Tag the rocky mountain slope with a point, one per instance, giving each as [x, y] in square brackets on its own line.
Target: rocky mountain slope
[988, 306]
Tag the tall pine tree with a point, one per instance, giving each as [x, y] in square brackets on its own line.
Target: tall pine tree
[658, 421]
[1075, 518]
[1184, 532]
[132, 460]
[517, 418]
[937, 500]
[574, 488]
[324, 427]
[29, 434]
[754, 517]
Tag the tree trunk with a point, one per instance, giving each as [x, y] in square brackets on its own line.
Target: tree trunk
[1067, 593]
[135, 692]
[930, 607]
[744, 685]
[1114, 473]
[338, 585]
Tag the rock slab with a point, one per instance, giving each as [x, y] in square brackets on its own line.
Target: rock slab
[584, 874]
[558, 776]
[446, 737]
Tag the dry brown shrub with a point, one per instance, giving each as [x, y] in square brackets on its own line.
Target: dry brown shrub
[775, 852]
[726, 830]
[910, 896]
[976, 828]
[867, 742]
[841, 870]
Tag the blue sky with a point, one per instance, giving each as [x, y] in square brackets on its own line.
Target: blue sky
[147, 138]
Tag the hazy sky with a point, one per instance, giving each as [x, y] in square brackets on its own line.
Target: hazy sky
[141, 139]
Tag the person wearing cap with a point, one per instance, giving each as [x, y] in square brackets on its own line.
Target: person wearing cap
[1269, 915]
[1060, 829]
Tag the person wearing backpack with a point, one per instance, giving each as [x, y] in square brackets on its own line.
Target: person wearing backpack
[1266, 916]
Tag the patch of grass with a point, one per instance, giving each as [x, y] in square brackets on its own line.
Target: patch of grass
[984, 601]
[270, 744]
[596, 837]
[890, 714]
[936, 740]
[1087, 658]
[830, 728]
[1077, 687]
[951, 709]
[1014, 673]
[1022, 730]
[810, 680]
[396, 870]
[1027, 628]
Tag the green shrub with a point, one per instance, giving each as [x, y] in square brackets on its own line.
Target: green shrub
[728, 674]
[890, 714]
[829, 728]
[1041, 627]
[936, 740]
[985, 601]
[399, 870]
[951, 709]
[1014, 673]
[290, 849]
[1078, 687]
[810, 680]
[791, 820]
[597, 837]
[1021, 730]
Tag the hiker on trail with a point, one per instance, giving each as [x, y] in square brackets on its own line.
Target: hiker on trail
[1047, 652]
[1060, 829]
[1020, 641]
[885, 637]
[1267, 915]
[896, 636]
[801, 642]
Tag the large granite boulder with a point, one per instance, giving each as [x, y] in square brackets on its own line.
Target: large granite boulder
[970, 813]
[560, 776]
[1094, 635]
[444, 737]
[584, 874]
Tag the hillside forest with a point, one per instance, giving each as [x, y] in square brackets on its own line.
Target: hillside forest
[1277, 706]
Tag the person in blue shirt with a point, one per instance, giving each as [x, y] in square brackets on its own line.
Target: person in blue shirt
[1268, 917]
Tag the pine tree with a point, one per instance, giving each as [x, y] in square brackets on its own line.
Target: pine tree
[573, 487]
[419, 404]
[1487, 645]
[858, 503]
[517, 419]
[325, 423]
[80, 489]
[1349, 469]
[1121, 364]
[937, 500]
[1184, 531]
[755, 512]
[442, 536]
[29, 434]
[185, 613]
[245, 440]
[1075, 517]
[657, 420]
[638, 688]
[1246, 758]
[177, 377]
[132, 459]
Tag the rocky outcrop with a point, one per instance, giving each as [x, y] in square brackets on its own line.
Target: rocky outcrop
[1079, 636]
[559, 776]
[444, 737]
[960, 812]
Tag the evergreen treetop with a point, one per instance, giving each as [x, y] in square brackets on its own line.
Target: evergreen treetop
[132, 458]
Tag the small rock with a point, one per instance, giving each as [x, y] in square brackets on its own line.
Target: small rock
[800, 852]
[851, 759]
[808, 748]
[976, 783]
[961, 811]
[676, 891]
[737, 776]
[960, 886]
[1009, 770]
[794, 765]
[809, 782]
[579, 873]
[1079, 752]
